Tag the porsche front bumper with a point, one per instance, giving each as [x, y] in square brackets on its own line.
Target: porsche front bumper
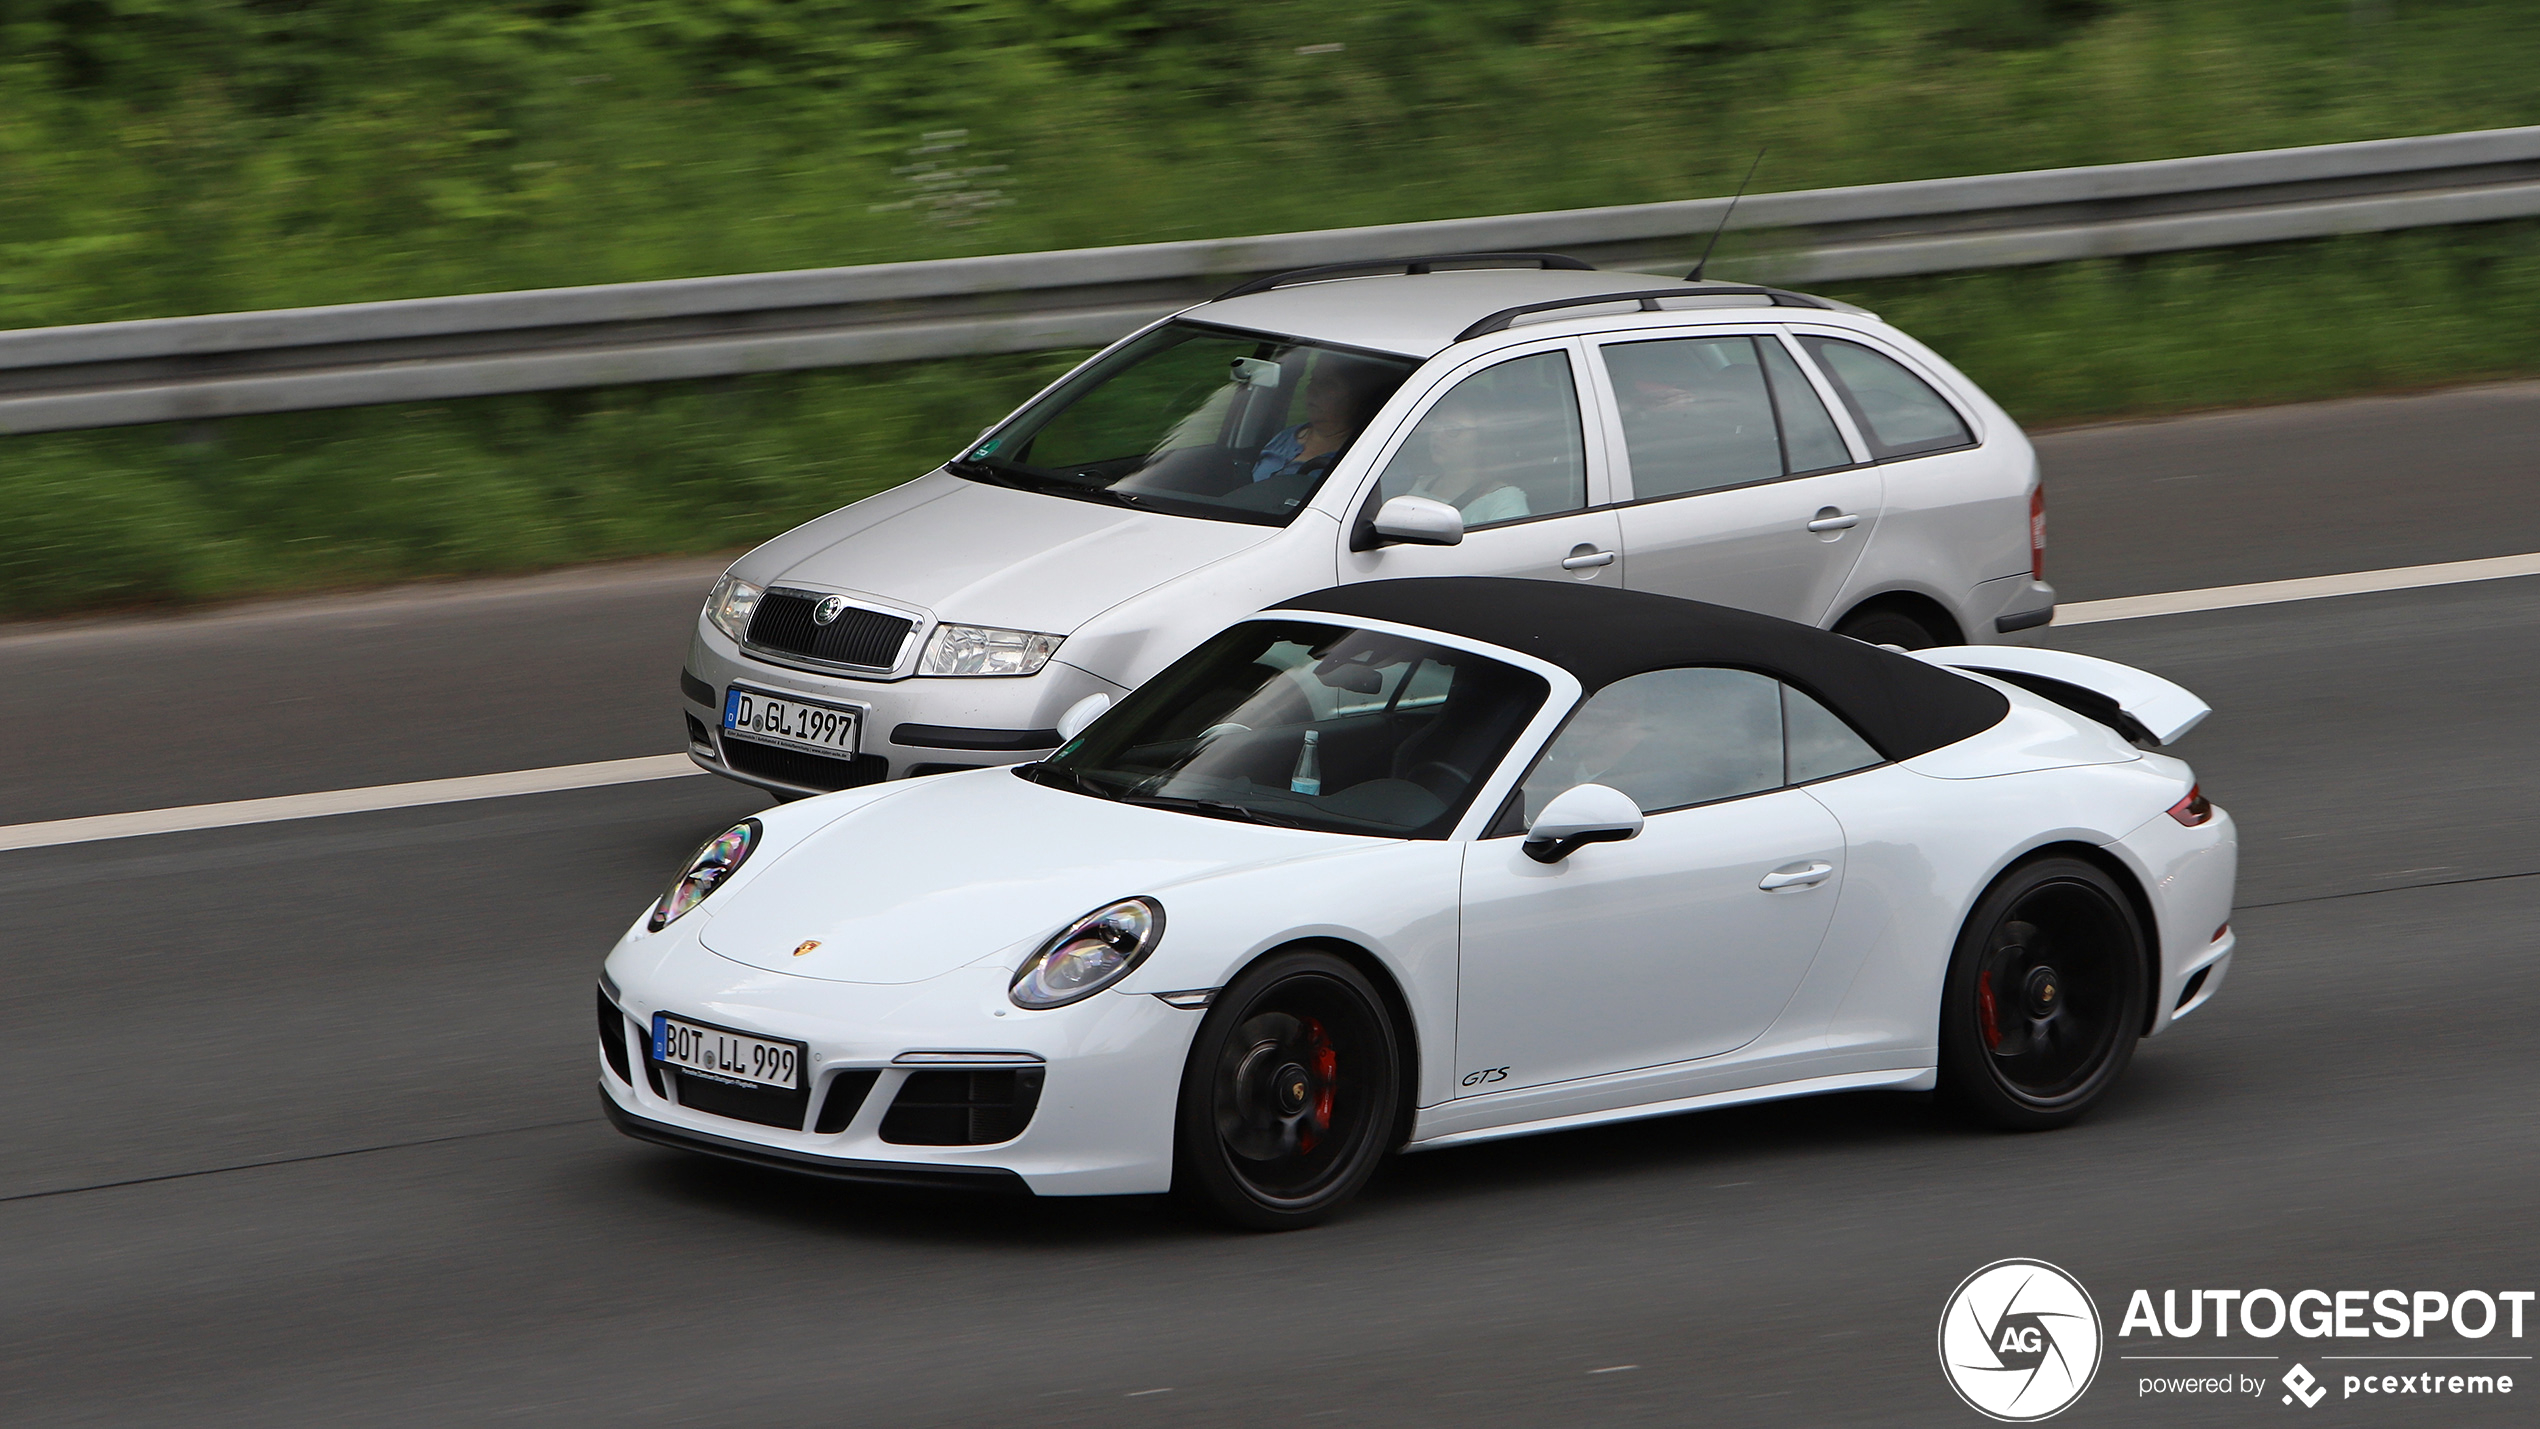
[1107, 1073]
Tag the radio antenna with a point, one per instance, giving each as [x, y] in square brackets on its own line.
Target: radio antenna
[1705, 260]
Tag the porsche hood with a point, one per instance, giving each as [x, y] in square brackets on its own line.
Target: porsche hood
[958, 868]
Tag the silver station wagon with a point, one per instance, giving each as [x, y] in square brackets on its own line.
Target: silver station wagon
[1486, 414]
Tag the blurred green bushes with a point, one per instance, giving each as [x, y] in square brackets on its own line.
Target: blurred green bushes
[171, 156]
[317, 499]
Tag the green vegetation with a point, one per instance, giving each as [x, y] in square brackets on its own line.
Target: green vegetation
[175, 156]
[171, 156]
[336, 498]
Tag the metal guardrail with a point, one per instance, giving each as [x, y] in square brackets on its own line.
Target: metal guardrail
[423, 349]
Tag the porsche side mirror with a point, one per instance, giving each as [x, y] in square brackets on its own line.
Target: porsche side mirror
[1580, 815]
[1420, 521]
[1081, 714]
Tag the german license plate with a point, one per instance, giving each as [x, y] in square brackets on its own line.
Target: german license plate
[782, 719]
[722, 1053]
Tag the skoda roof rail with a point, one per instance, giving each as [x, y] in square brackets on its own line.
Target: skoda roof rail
[1648, 300]
[1374, 266]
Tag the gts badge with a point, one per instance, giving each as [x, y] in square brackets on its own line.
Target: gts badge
[1486, 1076]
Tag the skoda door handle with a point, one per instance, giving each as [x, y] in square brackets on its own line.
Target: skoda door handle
[1796, 875]
[1831, 519]
[1586, 557]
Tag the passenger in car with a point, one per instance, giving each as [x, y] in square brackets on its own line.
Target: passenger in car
[1466, 466]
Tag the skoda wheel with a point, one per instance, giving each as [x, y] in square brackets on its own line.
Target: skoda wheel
[1888, 627]
[1290, 1095]
[2045, 996]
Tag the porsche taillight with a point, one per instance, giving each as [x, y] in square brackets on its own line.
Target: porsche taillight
[2037, 533]
[2195, 809]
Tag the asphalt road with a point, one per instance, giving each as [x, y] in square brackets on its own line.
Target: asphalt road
[302, 1127]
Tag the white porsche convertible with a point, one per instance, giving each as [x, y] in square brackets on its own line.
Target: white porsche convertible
[1416, 863]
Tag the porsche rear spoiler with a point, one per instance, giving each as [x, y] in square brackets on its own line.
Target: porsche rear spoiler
[2144, 708]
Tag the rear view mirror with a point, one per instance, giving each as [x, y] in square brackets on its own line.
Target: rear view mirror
[1420, 521]
[1579, 815]
[1254, 372]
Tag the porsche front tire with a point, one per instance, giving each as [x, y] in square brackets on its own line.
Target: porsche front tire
[1290, 1096]
[2045, 997]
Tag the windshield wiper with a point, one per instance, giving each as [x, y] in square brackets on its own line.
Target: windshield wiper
[1049, 776]
[1213, 808]
[988, 471]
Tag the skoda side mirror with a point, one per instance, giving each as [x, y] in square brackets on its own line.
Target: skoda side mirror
[1579, 815]
[1081, 714]
[1420, 521]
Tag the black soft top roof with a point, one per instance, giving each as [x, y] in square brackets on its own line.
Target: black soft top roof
[1900, 704]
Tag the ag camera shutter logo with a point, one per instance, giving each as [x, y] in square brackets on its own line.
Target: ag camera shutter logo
[2019, 1340]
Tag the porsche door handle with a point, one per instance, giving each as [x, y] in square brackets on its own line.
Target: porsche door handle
[1838, 522]
[1582, 560]
[1796, 875]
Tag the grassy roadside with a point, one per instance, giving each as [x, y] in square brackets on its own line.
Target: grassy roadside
[159, 158]
[326, 499]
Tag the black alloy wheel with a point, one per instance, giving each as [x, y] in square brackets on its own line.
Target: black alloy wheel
[1290, 1096]
[1889, 627]
[2045, 996]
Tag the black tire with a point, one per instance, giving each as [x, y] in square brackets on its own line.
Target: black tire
[2045, 995]
[1290, 1096]
[1889, 627]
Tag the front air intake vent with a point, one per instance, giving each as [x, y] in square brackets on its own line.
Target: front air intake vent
[613, 1039]
[847, 1092]
[950, 1108]
[767, 1106]
[859, 638]
[802, 767]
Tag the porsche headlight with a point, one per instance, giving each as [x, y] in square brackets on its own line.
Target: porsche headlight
[1094, 952]
[984, 650]
[722, 855]
[731, 604]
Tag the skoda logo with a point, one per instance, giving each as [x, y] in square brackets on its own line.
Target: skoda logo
[828, 609]
[2019, 1340]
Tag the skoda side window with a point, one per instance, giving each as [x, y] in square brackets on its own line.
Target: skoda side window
[1515, 415]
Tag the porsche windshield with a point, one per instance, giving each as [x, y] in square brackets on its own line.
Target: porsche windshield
[1194, 421]
[1307, 726]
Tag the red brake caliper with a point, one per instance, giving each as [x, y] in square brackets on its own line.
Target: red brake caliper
[1985, 1023]
[1326, 1062]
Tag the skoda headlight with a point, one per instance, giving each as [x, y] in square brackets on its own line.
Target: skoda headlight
[1094, 952]
[984, 650]
[722, 855]
[731, 604]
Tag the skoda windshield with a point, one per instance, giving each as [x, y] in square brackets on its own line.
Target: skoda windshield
[1306, 725]
[1194, 421]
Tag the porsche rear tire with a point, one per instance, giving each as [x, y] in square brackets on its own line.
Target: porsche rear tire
[1290, 1096]
[2045, 997]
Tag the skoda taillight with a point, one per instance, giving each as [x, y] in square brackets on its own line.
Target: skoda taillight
[2037, 533]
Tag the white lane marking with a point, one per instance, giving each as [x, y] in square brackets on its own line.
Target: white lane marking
[673, 766]
[2180, 602]
[346, 801]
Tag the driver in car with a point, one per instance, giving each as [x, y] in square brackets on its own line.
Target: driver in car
[1339, 399]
